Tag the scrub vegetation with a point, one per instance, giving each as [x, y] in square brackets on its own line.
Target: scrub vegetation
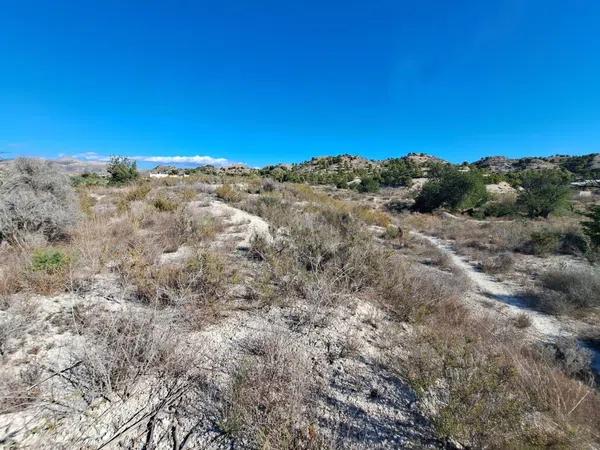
[298, 308]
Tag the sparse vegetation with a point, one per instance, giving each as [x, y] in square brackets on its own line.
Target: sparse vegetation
[332, 306]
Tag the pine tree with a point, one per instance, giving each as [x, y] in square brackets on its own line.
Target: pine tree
[592, 227]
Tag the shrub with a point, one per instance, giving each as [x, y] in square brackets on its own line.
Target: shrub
[36, 198]
[269, 401]
[547, 241]
[88, 179]
[392, 232]
[522, 321]
[122, 170]
[452, 189]
[500, 208]
[49, 260]
[497, 264]
[413, 294]
[139, 192]
[543, 192]
[591, 227]
[542, 243]
[228, 193]
[368, 185]
[164, 204]
[568, 290]
[573, 243]
[122, 347]
[47, 273]
[268, 185]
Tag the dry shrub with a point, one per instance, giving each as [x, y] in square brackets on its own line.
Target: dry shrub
[497, 236]
[501, 263]
[571, 407]
[121, 348]
[138, 192]
[194, 284]
[13, 266]
[272, 207]
[522, 321]
[165, 204]
[322, 200]
[269, 401]
[569, 290]
[86, 202]
[36, 198]
[414, 293]
[475, 372]
[229, 193]
[329, 244]
[99, 241]
[18, 388]
[44, 271]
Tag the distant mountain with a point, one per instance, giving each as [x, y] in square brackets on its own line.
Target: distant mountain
[582, 167]
[72, 166]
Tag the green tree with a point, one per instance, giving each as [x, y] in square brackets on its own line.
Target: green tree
[122, 170]
[543, 191]
[452, 189]
[591, 227]
[368, 185]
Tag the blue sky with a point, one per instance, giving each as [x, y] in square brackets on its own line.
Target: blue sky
[281, 81]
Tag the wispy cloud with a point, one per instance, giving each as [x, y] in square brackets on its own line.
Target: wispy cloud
[197, 159]
[90, 156]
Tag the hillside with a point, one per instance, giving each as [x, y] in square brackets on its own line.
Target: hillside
[582, 167]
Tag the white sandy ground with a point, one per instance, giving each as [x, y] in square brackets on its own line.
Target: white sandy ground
[247, 225]
[361, 403]
[511, 302]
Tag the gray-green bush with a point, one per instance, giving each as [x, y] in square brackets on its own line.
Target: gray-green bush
[36, 198]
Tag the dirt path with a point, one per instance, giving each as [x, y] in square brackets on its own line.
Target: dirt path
[510, 302]
[246, 225]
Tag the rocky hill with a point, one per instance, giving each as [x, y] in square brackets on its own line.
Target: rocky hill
[582, 167]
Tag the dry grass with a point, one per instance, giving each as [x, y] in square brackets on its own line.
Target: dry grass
[415, 293]
[569, 290]
[122, 348]
[229, 193]
[501, 263]
[477, 372]
[269, 403]
[496, 236]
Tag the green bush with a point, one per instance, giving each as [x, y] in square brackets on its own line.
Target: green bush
[574, 243]
[49, 261]
[368, 185]
[501, 208]
[591, 227]
[88, 179]
[122, 170]
[543, 191]
[164, 204]
[543, 242]
[452, 189]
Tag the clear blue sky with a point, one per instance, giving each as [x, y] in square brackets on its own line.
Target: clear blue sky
[281, 81]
